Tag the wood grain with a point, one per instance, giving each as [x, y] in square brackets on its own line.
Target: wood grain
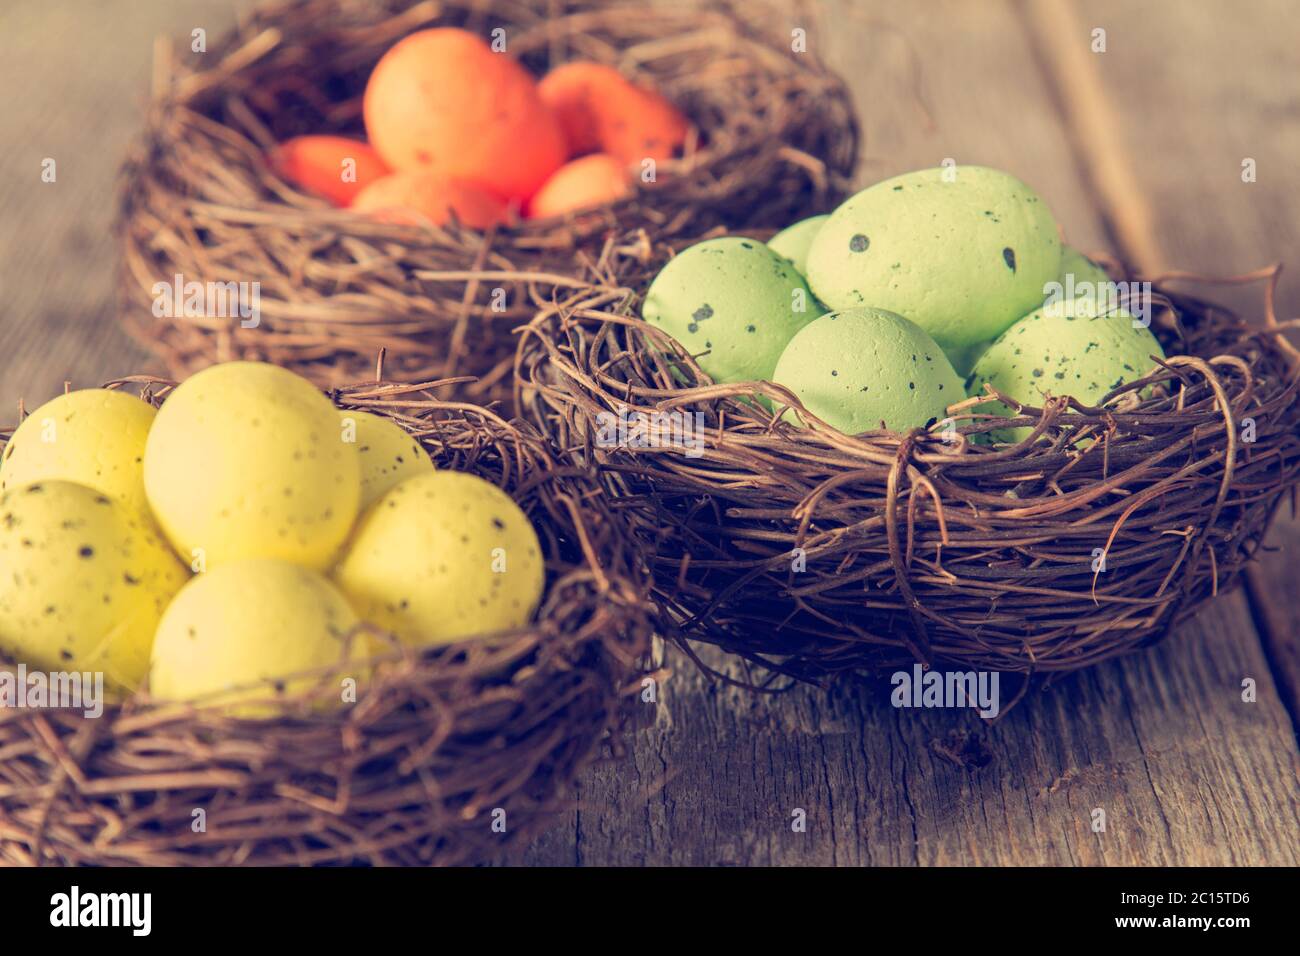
[1200, 94]
[1185, 771]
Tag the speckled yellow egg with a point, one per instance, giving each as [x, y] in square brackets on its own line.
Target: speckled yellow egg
[389, 455]
[235, 628]
[94, 437]
[443, 556]
[83, 581]
[247, 460]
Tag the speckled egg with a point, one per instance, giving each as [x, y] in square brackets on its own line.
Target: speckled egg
[856, 368]
[1063, 350]
[441, 557]
[83, 581]
[247, 622]
[389, 454]
[247, 460]
[1079, 273]
[94, 437]
[793, 242]
[734, 299]
[963, 259]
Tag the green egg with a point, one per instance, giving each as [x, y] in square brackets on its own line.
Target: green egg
[793, 242]
[734, 299]
[1065, 349]
[856, 368]
[963, 252]
[1080, 274]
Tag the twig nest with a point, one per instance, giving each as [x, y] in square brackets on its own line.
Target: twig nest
[427, 751]
[210, 197]
[816, 551]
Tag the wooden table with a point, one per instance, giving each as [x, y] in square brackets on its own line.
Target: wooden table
[1138, 149]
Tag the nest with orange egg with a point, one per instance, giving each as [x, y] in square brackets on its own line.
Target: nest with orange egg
[386, 175]
[451, 754]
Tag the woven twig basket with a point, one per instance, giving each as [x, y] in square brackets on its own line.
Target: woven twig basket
[444, 750]
[777, 141]
[814, 554]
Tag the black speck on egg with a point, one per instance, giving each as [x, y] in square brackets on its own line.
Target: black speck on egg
[859, 243]
[86, 551]
[1009, 257]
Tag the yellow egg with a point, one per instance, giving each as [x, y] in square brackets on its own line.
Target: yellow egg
[232, 628]
[83, 581]
[443, 556]
[247, 460]
[94, 437]
[388, 454]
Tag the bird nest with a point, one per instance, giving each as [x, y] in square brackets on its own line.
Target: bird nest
[450, 755]
[774, 139]
[814, 554]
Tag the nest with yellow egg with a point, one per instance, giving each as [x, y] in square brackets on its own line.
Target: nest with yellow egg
[815, 554]
[446, 754]
[771, 132]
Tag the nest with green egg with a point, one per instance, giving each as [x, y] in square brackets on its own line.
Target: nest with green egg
[368, 627]
[789, 431]
[770, 131]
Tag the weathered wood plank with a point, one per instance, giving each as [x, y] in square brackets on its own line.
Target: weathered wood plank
[76, 78]
[1201, 95]
[1151, 742]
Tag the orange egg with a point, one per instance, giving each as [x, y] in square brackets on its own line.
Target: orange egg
[599, 108]
[580, 184]
[442, 101]
[572, 92]
[331, 166]
[415, 198]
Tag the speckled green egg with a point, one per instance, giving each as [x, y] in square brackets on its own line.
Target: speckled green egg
[1066, 349]
[441, 557]
[856, 368]
[793, 242]
[245, 623]
[94, 437]
[734, 299]
[389, 455]
[248, 460]
[1080, 273]
[963, 259]
[84, 579]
